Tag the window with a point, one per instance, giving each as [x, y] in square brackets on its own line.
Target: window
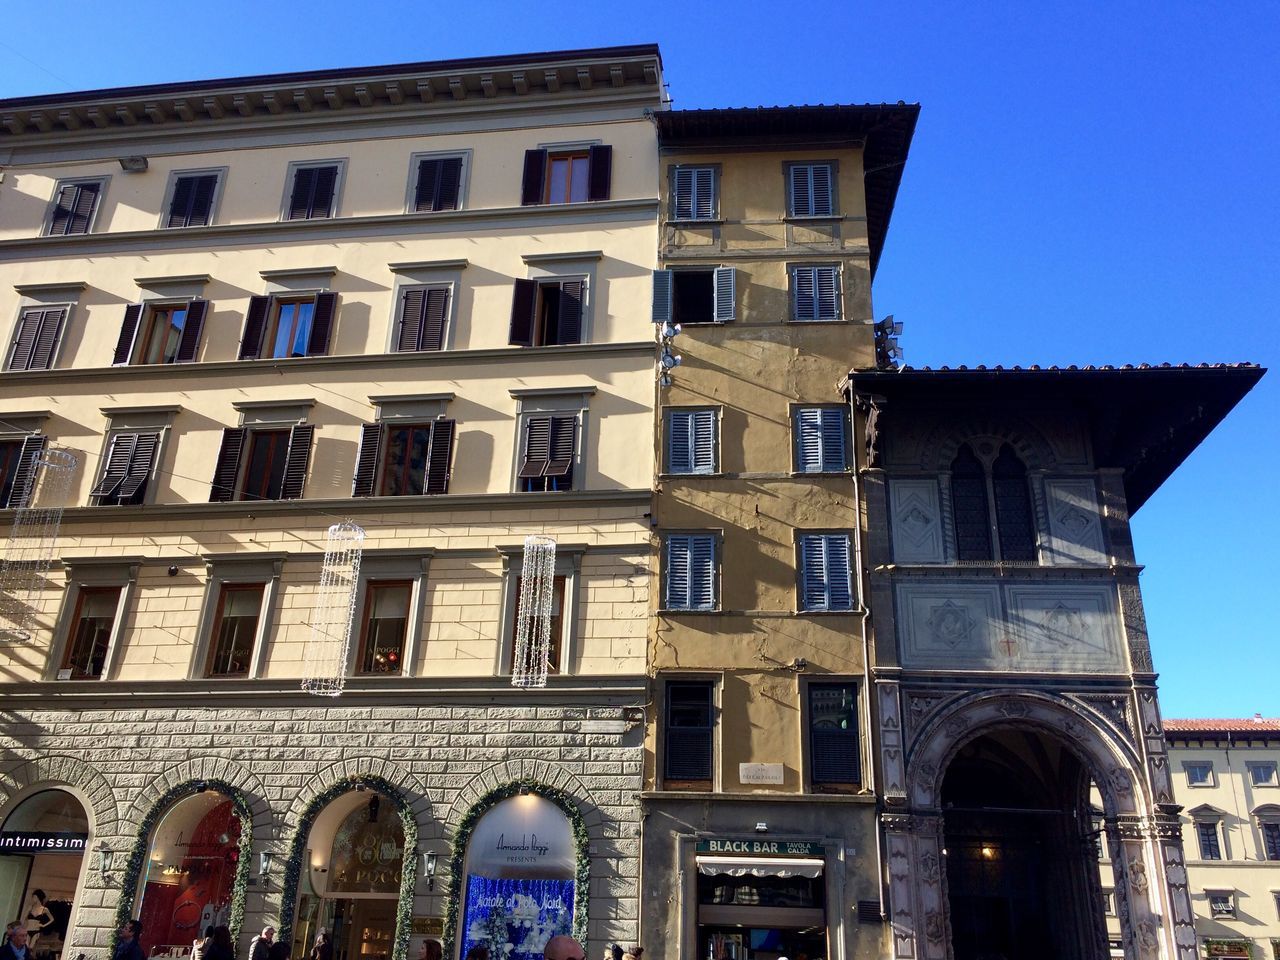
[288, 325]
[571, 175]
[691, 577]
[834, 753]
[556, 653]
[1109, 902]
[693, 193]
[820, 439]
[235, 629]
[1270, 839]
[1007, 497]
[547, 312]
[1199, 773]
[689, 732]
[384, 627]
[1207, 835]
[313, 192]
[437, 185]
[191, 204]
[404, 459]
[160, 332]
[126, 469]
[91, 630]
[423, 311]
[815, 293]
[1222, 903]
[35, 339]
[17, 469]
[695, 296]
[810, 190]
[825, 574]
[274, 467]
[693, 445]
[75, 202]
[547, 453]
[1262, 774]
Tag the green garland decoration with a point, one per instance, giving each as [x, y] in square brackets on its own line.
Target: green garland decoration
[138, 855]
[298, 850]
[567, 803]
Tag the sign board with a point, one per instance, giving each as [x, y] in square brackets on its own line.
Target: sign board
[760, 773]
[427, 925]
[40, 841]
[760, 848]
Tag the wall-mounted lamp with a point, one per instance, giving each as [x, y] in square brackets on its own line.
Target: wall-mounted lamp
[108, 857]
[133, 164]
[264, 866]
[429, 859]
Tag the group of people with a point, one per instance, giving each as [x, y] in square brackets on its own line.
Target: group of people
[560, 947]
[21, 936]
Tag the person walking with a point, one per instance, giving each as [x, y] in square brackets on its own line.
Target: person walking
[16, 947]
[127, 945]
[260, 946]
[220, 946]
[323, 950]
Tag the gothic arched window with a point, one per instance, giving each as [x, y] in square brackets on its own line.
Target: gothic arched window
[969, 506]
[1003, 493]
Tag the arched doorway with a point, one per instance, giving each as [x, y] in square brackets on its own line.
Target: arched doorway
[42, 846]
[1021, 848]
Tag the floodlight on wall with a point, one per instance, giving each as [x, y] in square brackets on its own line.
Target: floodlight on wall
[888, 352]
[325, 656]
[532, 659]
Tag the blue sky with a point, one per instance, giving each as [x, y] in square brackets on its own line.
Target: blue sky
[1089, 183]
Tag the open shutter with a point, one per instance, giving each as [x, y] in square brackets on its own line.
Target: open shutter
[662, 291]
[184, 189]
[202, 200]
[682, 193]
[827, 286]
[809, 440]
[367, 460]
[255, 328]
[189, 343]
[804, 293]
[304, 185]
[140, 464]
[412, 306]
[428, 188]
[296, 461]
[599, 172]
[24, 476]
[437, 308]
[677, 573]
[326, 183]
[440, 459]
[227, 468]
[63, 208]
[680, 441]
[725, 282]
[704, 193]
[831, 431]
[524, 300]
[703, 441]
[821, 203]
[813, 574]
[447, 193]
[24, 340]
[47, 340]
[128, 331]
[702, 573]
[570, 312]
[116, 466]
[82, 213]
[798, 185]
[560, 455]
[535, 175]
[839, 572]
[322, 324]
[537, 447]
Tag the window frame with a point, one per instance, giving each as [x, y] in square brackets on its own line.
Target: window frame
[1214, 893]
[793, 293]
[143, 332]
[812, 785]
[464, 179]
[1211, 822]
[450, 287]
[995, 532]
[104, 183]
[569, 568]
[408, 565]
[800, 536]
[339, 183]
[172, 186]
[717, 417]
[571, 154]
[795, 411]
[16, 329]
[537, 403]
[236, 569]
[91, 574]
[371, 588]
[672, 209]
[717, 578]
[1210, 782]
[1268, 818]
[1272, 781]
[833, 166]
[558, 281]
[716, 689]
[225, 589]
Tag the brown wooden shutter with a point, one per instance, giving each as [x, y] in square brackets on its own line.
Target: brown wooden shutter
[433, 321]
[447, 193]
[128, 331]
[25, 474]
[304, 185]
[117, 463]
[537, 447]
[326, 183]
[599, 172]
[227, 467]
[140, 464]
[180, 205]
[62, 210]
[200, 207]
[524, 301]
[24, 342]
[426, 194]
[440, 459]
[535, 175]
[47, 339]
[367, 460]
[189, 343]
[255, 328]
[412, 306]
[560, 455]
[570, 312]
[296, 461]
[322, 324]
[86, 199]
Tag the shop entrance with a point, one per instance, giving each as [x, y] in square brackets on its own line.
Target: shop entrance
[761, 908]
[42, 846]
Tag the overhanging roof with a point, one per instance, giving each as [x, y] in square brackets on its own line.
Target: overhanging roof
[884, 130]
[1145, 420]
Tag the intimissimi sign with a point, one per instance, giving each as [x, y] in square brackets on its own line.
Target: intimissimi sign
[39, 841]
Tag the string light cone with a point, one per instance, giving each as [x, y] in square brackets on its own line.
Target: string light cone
[533, 615]
[324, 661]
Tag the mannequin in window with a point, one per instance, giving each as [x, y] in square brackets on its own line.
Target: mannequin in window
[36, 917]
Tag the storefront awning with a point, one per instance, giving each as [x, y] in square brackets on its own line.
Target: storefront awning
[760, 866]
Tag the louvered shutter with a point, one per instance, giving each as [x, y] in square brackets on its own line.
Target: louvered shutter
[535, 175]
[189, 343]
[184, 189]
[296, 461]
[367, 460]
[832, 433]
[704, 441]
[524, 301]
[688, 731]
[437, 308]
[662, 296]
[24, 475]
[322, 324]
[447, 194]
[570, 330]
[827, 286]
[412, 306]
[440, 459]
[809, 440]
[63, 208]
[24, 340]
[140, 464]
[801, 202]
[725, 284]
[679, 561]
[86, 199]
[560, 451]
[702, 572]
[825, 572]
[804, 296]
[813, 574]
[599, 172]
[704, 193]
[682, 193]
[537, 447]
[116, 465]
[834, 753]
[255, 328]
[821, 187]
[201, 212]
[304, 185]
[428, 189]
[128, 331]
[326, 185]
[839, 571]
[679, 441]
[47, 340]
[227, 468]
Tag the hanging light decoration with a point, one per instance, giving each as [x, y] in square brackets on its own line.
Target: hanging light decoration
[533, 615]
[33, 539]
[324, 661]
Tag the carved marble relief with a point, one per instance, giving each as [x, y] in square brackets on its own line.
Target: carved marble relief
[916, 520]
[892, 748]
[1075, 522]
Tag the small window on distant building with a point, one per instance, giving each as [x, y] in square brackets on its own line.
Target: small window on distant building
[192, 202]
[1262, 774]
[810, 190]
[693, 193]
[1210, 843]
[1199, 774]
[314, 191]
[160, 332]
[570, 175]
[75, 204]
[1222, 903]
[437, 185]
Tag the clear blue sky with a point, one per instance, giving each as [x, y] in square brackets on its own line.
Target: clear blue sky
[1089, 183]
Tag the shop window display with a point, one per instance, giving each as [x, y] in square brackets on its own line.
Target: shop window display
[761, 909]
[42, 845]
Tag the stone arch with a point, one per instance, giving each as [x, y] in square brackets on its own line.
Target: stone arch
[70, 773]
[1027, 441]
[517, 771]
[208, 770]
[353, 770]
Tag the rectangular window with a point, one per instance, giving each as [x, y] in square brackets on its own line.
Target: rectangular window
[692, 443]
[313, 192]
[557, 624]
[74, 204]
[126, 469]
[820, 439]
[693, 193]
[1199, 774]
[567, 175]
[834, 753]
[404, 459]
[689, 733]
[547, 313]
[90, 633]
[35, 339]
[192, 202]
[1262, 774]
[695, 296]
[284, 326]
[273, 467]
[385, 625]
[234, 629]
[547, 452]
[1210, 847]
[438, 183]
[160, 332]
[810, 190]
[1222, 903]
[572, 175]
[691, 576]
[1109, 903]
[1271, 840]
[420, 326]
[825, 572]
[815, 293]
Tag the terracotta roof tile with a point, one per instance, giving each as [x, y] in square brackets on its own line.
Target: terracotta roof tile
[1254, 724]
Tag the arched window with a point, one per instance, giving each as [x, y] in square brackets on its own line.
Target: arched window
[1013, 507]
[42, 845]
[976, 496]
[969, 506]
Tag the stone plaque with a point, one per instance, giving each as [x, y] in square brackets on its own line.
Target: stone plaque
[760, 773]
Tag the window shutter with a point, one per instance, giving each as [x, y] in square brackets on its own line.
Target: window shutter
[725, 282]
[255, 328]
[128, 330]
[680, 441]
[535, 174]
[662, 294]
[970, 513]
[24, 340]
[832, 433]
[703, 441]
[63, 208]
[599, 172]
[47, 340]
[1013, 507]
[180, 205]
[447, 193]
[144, 454]
[688, 732]
[704, 193]
[682, 193]
[806, 307]
[813, 574]
[560, 452]
[116, 466]
[571, 311]
[827, 284]
[322, 324]
[296, 461]
[437, 307]
[367, 460]
[326, 183]
[809, 440]
[440, 459]
[227, 467]
[24, 476]
[834, 754]
[702, 573]
[202, 200]
[820, 176]
[304, 185]
[189, 343]
[537, 447]
[524, 301]
[678, 572]
[801, 201]
[412, 305]
[428, 189]
[86, 199]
